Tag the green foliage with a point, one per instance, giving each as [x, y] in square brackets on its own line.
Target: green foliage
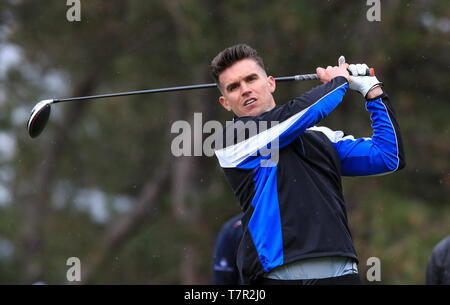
[116, 147]
[401, 231]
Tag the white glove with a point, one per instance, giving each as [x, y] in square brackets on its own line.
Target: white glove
[359, 81]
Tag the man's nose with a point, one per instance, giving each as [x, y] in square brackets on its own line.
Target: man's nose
[245, 89]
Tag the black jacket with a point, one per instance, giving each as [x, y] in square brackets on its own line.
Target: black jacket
[438, 268]
[286, 175]
[225, 271]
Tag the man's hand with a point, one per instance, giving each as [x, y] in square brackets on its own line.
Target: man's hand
[368, 86]
[329, 73]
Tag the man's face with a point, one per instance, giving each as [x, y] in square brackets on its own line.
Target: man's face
[246, 89]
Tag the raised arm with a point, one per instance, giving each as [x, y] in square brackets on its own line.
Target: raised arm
[382, 153]
[284, 124]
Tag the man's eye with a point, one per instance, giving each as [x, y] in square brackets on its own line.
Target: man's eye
[251, 78]
[232, 87]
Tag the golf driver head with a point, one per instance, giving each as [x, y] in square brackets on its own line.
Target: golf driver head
[39, 117]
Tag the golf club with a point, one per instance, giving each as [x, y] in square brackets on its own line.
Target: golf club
[41, 111]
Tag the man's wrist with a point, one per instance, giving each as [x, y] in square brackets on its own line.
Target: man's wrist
[374, 92]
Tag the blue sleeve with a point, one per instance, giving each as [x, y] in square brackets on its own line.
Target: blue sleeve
[287, 123]
[294, 122]
[380, 154]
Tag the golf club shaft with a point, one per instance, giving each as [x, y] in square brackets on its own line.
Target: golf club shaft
[299, 77]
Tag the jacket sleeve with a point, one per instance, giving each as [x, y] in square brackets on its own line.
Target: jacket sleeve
[381, 154]
[225, 271]
[286, 122]
[433, 273]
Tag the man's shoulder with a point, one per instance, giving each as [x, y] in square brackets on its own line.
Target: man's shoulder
[443, 248]
[332, 135]
[234, 222]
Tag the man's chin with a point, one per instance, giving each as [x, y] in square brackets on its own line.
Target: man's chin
[252, 112]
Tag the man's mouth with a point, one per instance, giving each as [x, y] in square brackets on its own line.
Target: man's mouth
[250, 101]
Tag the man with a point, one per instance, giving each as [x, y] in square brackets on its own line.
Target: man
[295, 227]
[225, 271]
[438, 268]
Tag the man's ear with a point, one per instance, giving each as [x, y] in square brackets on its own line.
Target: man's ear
[224, 103]
[272, 83]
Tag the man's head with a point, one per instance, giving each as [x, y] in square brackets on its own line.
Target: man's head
[240, 75]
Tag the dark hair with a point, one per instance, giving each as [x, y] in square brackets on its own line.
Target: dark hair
[229, 56]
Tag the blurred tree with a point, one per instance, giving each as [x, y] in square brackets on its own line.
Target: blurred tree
[155, 217]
